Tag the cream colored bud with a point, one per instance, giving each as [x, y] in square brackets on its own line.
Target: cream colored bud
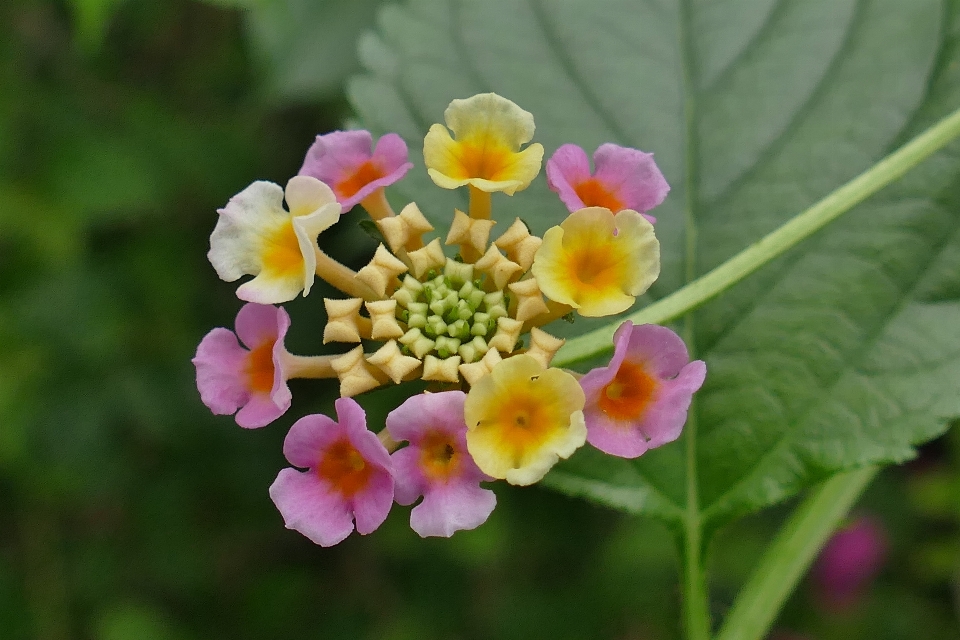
[519, 245]
[508, 332]
[383, 316]
[495, 265]
[543, 346]
[429, 257]
[470, 232]
[392, 362]
[344, 323]
[476, 370]
[400, 230]
[356, 376]
[529, 299]
[441, 370]
[382, 271]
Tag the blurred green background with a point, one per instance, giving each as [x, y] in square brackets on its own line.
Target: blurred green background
[128, 512]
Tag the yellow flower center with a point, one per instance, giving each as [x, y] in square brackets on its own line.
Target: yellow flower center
[282, 255]
[439, 459]
[593, 193]
[627, 396]
[259, 368]
[344, 468]
[364, 175]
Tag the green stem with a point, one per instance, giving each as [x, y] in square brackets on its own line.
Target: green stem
[773, 245]
[696, 598]
[790, 554]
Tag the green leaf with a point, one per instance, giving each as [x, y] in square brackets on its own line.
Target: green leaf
[842, 353]
[306, 46]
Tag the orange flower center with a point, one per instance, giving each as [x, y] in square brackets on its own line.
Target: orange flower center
[344, 468]
[524, 422]
[260, 368]
[482, 161]
[594, 193]
[439, 459]
[364, 175]
[282, 254]
[595, 266]
[626, 396]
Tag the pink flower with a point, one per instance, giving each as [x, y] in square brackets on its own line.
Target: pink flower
[437, 466]
[849, 561]
[625, 178]
[252, 380]
[640, 400]
[343, 160]
[349, 476]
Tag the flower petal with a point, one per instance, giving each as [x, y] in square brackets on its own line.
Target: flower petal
[219, 361]
[307, 438]
[245, 224]
[309, 508]
[567, 167]
[447, 509]
[305, 194]
[260, 411]
[632, 175]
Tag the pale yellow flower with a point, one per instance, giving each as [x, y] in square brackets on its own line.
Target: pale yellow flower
[598, 262]
[486, 153]
[522, 419]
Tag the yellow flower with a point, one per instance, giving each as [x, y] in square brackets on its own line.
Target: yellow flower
[486, 153]
[598, 262]
[522, 418]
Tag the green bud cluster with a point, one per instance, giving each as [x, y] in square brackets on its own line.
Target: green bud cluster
[448, 313]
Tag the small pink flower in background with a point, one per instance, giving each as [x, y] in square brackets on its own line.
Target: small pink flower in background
[849, 562]
[640, 400]
[437, 466]
[625, 178]
[349, 476]
[251, 379]
[343, 160]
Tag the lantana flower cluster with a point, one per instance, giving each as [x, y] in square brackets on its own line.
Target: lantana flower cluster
[455, 309]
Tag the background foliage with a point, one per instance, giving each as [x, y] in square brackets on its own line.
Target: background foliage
[128, 512]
